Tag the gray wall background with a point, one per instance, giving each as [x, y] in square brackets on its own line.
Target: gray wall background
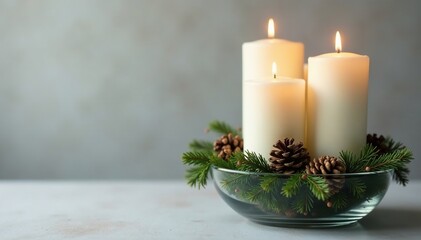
[116, 89]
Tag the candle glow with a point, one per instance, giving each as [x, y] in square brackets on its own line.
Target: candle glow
[271, 28]
[338, 42]
[337, 122]
[258, 56]
[273, 97]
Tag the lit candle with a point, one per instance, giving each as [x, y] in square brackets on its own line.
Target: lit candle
[259, 54]
[273, 109]
[337, 102]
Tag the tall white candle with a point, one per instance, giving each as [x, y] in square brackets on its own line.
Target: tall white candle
[260, 54]
[337, 102]
[273, 109]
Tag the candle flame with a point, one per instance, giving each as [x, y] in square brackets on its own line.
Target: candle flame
[271, 28]
[274, 69]
[338, 43]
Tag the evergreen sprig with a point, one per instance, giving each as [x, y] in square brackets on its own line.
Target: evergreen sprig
[268, 182]
[222, 163]
[304, 202]
[201, 157]
[339, 200]
[196, 158]
[393, 145]
[222, 128]
[318, 186]
[357, 163]
[292, 185]
[200, 165]
[356, 187]
[197, 176]
[299, 192]
[252, 162]
[369, 160]
[201, 145]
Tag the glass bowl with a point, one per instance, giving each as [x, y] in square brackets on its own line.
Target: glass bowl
[259, 197]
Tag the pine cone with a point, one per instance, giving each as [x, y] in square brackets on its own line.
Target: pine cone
[379, 142]
[328, 165]
[226, 145]
[287, 157]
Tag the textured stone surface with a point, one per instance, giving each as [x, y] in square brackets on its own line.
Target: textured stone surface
[172, 210]
[116, 89]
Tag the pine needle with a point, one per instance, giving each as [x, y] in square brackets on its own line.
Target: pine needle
[221, 163]
[318, 186]
[255, 194]
[234, 180]
[357, 163]
[196, 158]
[398, 161]
[222, 128]
[253, 162]
[201, 145]
[304, 202]
[357, 187]
[268, 183]
[291, 186]
[265, 199]
[339, 201]
[370, 160]
[197, 176]
[393, 145]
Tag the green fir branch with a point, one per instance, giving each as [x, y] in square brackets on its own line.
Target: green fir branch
[297, 192]
[232, 181]
[370, 160]
[292, 185]
[271, 202]
[238, 185]
[196, 158]
[398, 161]
[201, 145]
[197, 176]
[339, 201]
[304, 202]
[400, 175]
[390, 160]
[222, 128]
[357, 163]
[267, 200]
[255, 194]
[269, 182]
[253, 162]
[357, 187]
[318, 186]
[221, 163]
[393, 145]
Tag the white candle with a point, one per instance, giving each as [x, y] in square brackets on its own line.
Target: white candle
[305, 72]
[337, 102]
[273, 109]
[258, 55]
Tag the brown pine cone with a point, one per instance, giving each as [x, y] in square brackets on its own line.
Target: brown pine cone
[328, 165]
[379, 142]
[227, 144]
[288, 157]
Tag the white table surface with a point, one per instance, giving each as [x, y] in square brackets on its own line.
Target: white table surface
[172, 210]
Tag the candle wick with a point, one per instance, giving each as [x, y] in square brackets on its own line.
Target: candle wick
[274, 75]
[338, 51]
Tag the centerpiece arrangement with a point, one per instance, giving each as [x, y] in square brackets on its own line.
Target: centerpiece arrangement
[302, 158]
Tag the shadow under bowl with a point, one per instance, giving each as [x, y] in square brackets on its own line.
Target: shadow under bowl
[259, 197]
